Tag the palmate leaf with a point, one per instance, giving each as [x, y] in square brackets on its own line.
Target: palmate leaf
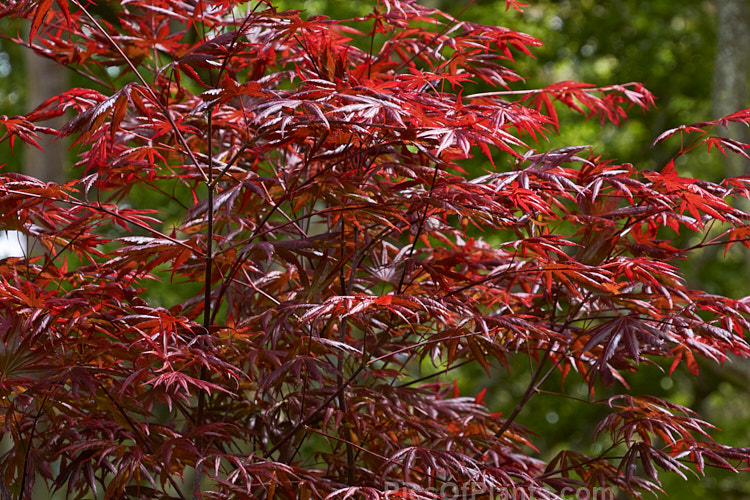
[20, 127]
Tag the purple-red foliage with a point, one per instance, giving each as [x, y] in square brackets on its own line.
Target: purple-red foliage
[328, 213]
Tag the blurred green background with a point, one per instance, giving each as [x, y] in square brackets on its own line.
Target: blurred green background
[689, 54]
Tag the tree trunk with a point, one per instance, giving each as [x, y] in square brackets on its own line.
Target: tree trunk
[45, 79]
[731, 73]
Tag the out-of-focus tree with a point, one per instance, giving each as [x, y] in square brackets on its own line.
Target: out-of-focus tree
[45, 79]
[731, 72]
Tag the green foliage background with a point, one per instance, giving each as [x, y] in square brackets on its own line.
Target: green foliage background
[12, 95]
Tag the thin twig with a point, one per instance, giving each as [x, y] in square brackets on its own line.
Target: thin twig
[154, 97]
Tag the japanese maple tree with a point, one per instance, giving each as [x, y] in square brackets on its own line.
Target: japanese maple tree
[317, 179]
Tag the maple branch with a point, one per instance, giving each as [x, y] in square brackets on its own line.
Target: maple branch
[207, 304]
[530, 391]
[591, 460]
[27, 453]
[417, 345]
[165, 111]
[437, 374]
[314, 414]
[452, 19]
[420, 228]
[536, 378]
[99, 208]
[140, 437]
[343, 404]
[557, 90]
